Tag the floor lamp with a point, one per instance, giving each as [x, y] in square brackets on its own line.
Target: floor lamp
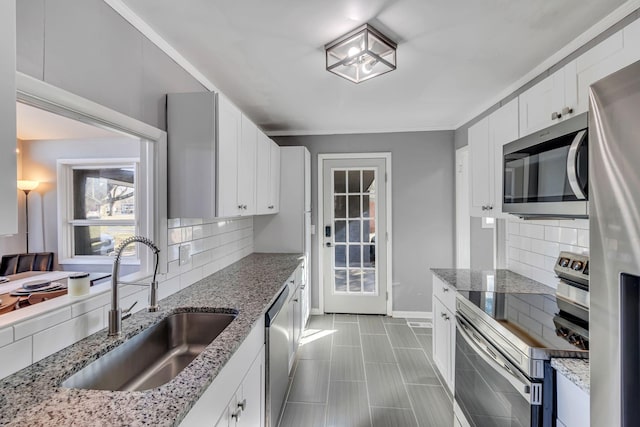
[27, 186]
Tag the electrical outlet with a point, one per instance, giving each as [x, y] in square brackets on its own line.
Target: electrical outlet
[185, 254]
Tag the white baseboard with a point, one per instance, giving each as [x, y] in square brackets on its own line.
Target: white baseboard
[413, 314]
[316, 312]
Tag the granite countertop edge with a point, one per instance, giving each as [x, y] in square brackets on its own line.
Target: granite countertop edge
[34, 396]
[576, 371]
[498, 280]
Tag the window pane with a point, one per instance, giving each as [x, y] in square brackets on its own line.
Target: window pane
[354, 256]
[339, 182]
[102, 239]
[107, 193]
[354, 206]
[341, 256]
[341, 280]
[354, 231]
[340, 206]
[355, 277]
[369, 281]
[341, 231]
[368, 181]
[368, 256]
[354, 181]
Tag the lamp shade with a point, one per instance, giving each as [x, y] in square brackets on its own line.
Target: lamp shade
[361, 54]
[25, 185]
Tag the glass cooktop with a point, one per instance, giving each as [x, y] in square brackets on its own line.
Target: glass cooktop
[533, 318]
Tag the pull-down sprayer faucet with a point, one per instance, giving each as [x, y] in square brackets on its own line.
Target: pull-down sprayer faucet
[115, 314]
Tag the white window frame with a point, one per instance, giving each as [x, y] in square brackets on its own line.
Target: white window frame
[143, 223]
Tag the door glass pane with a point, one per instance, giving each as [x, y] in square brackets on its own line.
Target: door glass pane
[341, 280]
[368, 256]
[368, 231]
[341, 231]
[340, 207]
[366, 206]
[369, 281]
[355, 277]
[341, 256]
[354, 181]
[354, 256]
[368, 181]
[354, 206]
[354, 231]
[339, 182]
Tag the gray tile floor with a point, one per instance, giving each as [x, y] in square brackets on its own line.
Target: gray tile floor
[359, 371]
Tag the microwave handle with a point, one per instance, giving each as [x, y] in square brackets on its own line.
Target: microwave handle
[572, 164]
[496, 361]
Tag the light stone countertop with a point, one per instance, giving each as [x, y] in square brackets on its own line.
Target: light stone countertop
[576, 370]
[504, 281]
[34, 397]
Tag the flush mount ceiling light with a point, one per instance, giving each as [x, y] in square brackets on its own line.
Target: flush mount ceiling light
[361, 54]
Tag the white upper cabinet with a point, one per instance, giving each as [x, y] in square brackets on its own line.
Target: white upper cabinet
[267, 176]
[503, 129]
[8, 165]
[481, 169]
[247, 167]
[550, 101]
[486, 139]
[229, 125]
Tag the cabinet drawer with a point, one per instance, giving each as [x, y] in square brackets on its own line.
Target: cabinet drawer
[445, 293]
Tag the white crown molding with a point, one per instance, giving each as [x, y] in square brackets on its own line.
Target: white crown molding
[311, 132]
[597, 29]
[161, 43]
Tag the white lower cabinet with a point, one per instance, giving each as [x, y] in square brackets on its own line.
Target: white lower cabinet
[295, 315]
[236, 397]
[444, 331]
[573, 403]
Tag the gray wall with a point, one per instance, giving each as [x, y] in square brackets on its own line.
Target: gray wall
[423, 187]
[481, 245]
[85, 47]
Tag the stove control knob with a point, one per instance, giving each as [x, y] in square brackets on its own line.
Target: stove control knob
[564, 262]
[562, 332]
[577, 265]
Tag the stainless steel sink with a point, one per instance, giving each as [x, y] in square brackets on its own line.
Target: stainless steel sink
[154, 356]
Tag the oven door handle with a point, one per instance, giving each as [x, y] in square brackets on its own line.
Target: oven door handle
[498, 362]
[572, 164]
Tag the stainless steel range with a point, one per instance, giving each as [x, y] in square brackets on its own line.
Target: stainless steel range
[504, 343]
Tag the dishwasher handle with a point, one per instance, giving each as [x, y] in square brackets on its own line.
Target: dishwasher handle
[275, 308]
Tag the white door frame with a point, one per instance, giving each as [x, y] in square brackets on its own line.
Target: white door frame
[320, 221]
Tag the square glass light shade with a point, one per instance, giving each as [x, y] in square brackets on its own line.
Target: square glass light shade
[360, 55]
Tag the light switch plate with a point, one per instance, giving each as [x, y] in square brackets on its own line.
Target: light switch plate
[185, 254]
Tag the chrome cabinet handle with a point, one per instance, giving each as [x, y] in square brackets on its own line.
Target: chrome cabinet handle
[242, 405]
[295, 300]
[567, 110]
[270, 207]
[443, 314]
[446, 317]
[555, 115]
[236, 415]
[445, 289]
[239, 206]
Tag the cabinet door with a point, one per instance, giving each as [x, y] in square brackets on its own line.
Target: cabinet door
[229, 119]
[441, 340]
[263, 175]
[503, 128]
[8, 164]
[539, 102]
[297, 318]
[252, 396]
[274, 178]
[481, 173]
[247, 167]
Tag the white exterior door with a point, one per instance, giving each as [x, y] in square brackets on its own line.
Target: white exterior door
[355, 236]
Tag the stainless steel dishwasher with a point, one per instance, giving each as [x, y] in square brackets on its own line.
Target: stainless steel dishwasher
[277, 364]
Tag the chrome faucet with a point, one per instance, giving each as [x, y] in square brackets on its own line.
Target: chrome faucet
[116, 314]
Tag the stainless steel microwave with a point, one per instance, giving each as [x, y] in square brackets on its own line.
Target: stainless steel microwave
[546, 174]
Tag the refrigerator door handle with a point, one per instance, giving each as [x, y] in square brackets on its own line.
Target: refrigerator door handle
[572, 164]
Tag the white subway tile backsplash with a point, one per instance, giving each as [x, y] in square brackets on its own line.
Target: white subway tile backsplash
[168, 287]
[583, 238]
[37, 324]
[175, 236]
[16, 356]
[582, 224]
[569, 236]
[198, 232]
[173, 252]
[63, 335]
[89, 304]
[190, 277]
[525, 243]
[552, 234]
[538, 246]
[6, 336]
[187, 234]
[173, 223]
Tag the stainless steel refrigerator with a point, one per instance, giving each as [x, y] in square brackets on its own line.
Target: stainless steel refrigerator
[614, 219]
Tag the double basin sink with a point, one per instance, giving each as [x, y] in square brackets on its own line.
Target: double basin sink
[155, 356]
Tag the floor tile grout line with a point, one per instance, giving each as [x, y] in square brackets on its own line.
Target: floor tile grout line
[415, 416]
[326, 400]
[364, 368]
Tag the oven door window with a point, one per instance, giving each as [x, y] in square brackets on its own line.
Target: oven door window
[488, 394]
[539, 173]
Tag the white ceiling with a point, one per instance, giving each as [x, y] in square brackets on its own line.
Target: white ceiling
[36, 124]
[453, 56]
